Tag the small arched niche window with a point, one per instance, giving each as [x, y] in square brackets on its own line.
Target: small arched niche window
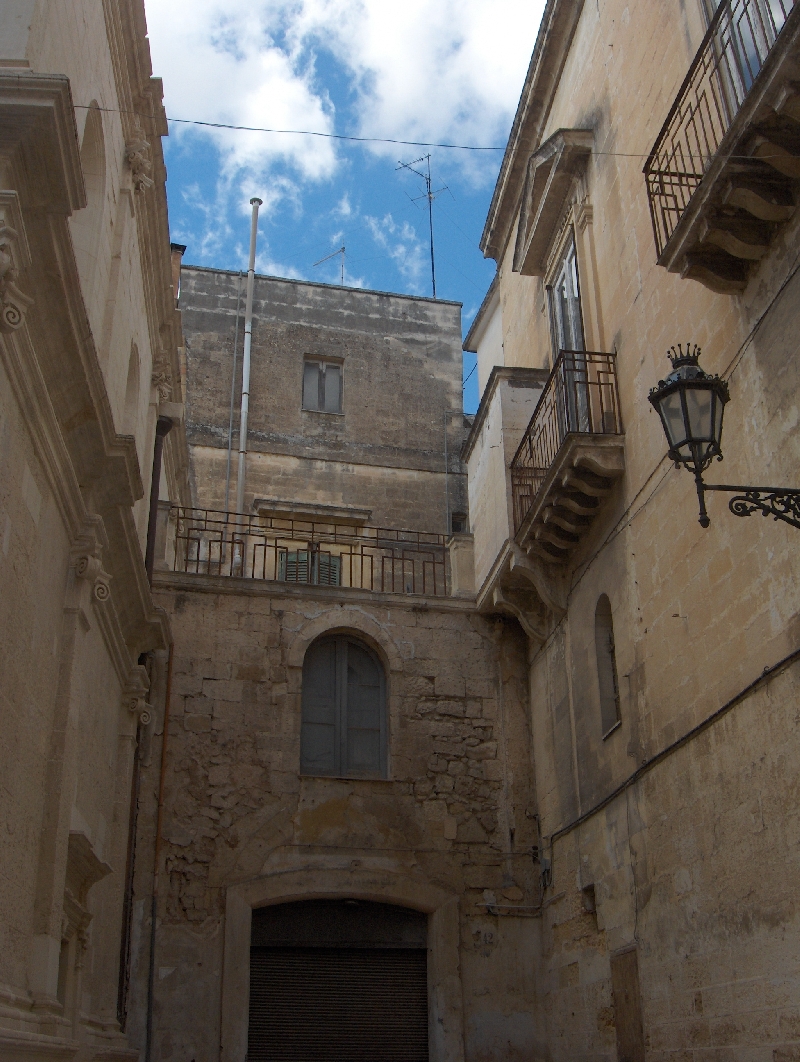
[130, 414]
[606, 665]
[87, 223]
[344, 710]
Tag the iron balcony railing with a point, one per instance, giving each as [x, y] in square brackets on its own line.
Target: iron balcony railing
[580, 397]
[306, 552]
[734, 49]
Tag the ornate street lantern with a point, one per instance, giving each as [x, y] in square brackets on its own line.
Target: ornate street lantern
[691, 404]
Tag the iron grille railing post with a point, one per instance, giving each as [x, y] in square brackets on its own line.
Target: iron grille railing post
[739, 38]
[573, 402]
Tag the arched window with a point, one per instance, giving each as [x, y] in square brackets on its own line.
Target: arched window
[344, 710]
[606, 665]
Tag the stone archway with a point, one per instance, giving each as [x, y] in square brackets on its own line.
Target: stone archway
[308, 878]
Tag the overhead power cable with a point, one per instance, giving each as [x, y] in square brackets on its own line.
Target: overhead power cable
[380, 139]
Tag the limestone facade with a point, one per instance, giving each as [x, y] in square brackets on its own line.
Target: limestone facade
[669, 922]
[89, 340]
[392, 444]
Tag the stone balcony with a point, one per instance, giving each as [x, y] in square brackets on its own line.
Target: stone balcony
[722, 175]
[567, 462]
[314, 546]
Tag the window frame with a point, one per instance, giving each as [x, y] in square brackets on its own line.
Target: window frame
[607, 663]
[322, 364]
[341, 769]
[561, 252]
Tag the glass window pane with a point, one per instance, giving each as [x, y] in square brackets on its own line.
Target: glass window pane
[333, 389]
[311, 375]
[566, 304]
[698, 406]
[672, 415]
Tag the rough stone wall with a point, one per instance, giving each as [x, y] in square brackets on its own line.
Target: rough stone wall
[401, 370]
[458, 807]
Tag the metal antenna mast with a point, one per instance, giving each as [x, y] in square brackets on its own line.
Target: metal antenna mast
[430, 196]
[333, 255]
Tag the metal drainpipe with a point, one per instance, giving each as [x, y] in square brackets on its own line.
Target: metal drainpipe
[233, 391]
[148, 1045]
[248, 336]
[163, 428]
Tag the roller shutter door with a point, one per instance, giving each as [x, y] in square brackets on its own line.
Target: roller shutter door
[338, 1004]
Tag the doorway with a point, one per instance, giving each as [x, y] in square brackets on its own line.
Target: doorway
[338, 981]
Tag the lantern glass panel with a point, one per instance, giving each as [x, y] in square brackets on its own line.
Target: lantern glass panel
[719, 407]
[698, 408]
[672, 415]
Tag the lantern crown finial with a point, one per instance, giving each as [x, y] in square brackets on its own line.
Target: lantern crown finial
[680, 355]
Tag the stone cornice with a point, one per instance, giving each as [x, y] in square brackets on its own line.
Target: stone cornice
[559, 22]
[225, 584]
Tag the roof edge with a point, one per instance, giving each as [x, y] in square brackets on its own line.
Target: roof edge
[320, 284]
[557, 28]
[470, 342]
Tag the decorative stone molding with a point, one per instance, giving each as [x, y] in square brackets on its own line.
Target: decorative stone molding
[161, 378]
[552, 173]
[137, 155]
[14, 255]
[134, 694]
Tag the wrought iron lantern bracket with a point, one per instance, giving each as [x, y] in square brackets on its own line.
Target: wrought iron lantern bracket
[690, 404]
[781, 503]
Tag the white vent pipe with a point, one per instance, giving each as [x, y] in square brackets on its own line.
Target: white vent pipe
[248, 336]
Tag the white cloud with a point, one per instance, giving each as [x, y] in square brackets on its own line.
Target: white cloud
[401, 244]
[446, 70]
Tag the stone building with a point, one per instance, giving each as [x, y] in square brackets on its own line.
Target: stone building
[443, 747]
[578, 765]
[345, 733]
[663, 655]
[89, 378]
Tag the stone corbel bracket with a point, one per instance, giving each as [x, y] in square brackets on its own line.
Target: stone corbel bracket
[15, 255]
[524, 587]
[137, 155]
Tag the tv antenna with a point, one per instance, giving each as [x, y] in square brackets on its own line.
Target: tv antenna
[328, 257]
[430, 196]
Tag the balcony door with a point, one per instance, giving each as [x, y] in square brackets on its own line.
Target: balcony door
[567, 328]
[746, 31]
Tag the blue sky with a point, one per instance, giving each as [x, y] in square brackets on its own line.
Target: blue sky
[447, 72]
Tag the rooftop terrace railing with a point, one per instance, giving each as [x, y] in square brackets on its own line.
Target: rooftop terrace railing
[580, 397]
[309, 553]
[734, 50]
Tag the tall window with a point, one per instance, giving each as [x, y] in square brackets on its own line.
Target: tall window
[606, 665]
[567, 329]
[565, 303]
[322, 386]
[343, 710]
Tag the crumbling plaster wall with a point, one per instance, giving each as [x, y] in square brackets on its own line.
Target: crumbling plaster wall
[457, 814]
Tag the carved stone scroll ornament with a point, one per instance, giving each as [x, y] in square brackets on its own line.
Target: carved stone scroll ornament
[134, 695]
[137, 155]
[90, 569]
[14, 303]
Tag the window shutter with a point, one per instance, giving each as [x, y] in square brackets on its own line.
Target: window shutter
[312, 376]
[364, 700]
[333, 389]
[328, 570]
[293, 566]
[318, 737]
